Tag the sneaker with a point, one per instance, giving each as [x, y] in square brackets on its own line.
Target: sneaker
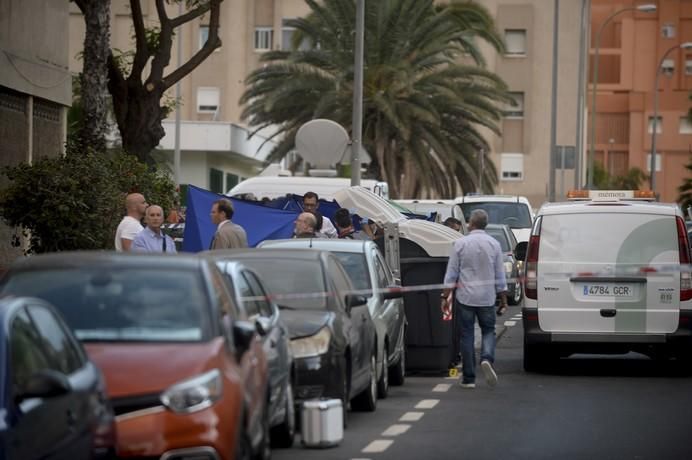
[469, 385]
[490, 375]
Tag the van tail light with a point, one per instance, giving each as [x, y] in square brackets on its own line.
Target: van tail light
[531, 269]
[685, 272]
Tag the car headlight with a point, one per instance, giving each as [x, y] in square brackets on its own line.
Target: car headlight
[508, 267]
[194, 394]
[314, 345]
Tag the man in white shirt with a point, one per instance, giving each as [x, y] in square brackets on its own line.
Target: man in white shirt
[310, 204]
[130, 226]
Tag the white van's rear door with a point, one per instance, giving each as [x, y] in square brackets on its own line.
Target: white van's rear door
[608, 272]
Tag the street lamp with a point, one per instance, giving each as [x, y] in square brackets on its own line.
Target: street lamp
[645, 8]
[685, 46]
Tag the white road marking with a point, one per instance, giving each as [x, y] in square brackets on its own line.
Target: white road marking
[442, 387]
[517, 316]
[379, 445]
[510, 323]
[411, 417]
[396, 430]
[427, 403]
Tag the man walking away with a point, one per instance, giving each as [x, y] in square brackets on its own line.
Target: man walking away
[152, 239]
[130, 226]
[228, 235]
[310, 204]
[475, 266]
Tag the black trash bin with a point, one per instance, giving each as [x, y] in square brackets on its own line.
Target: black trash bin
[430, 340]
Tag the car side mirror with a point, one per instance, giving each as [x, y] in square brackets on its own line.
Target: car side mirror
[520, 250]
[243, 334]
[45, 383]
[263, 325]
[355, 300]
[392, 293]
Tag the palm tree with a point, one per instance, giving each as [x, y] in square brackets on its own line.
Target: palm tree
[425, 91]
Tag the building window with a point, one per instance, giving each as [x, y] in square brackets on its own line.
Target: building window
[658, 162]
[515, 41]
[688, 66]
[659, 125]
[215, 180]
[264, 36]
[231, 181]
[685, 126]
[512, 166]
[207, 100]
[203, 35]
[516, 110]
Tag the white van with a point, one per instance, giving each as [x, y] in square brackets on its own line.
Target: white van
[606, 275]
[511, 210]
[325, 187]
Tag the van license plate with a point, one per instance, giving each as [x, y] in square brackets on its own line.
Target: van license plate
[608, 290]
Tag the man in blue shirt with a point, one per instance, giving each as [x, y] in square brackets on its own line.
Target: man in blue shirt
[152, 239]
[476, 268]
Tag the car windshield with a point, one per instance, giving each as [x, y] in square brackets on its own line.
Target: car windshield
[357, 268]
[512, 214]
[294, 283]
[501, 237]
[120, 305]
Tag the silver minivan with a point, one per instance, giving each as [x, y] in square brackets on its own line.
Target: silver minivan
[606, 275]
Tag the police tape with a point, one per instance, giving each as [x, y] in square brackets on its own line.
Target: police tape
[600, 275]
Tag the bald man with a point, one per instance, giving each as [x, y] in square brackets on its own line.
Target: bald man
[130, 226]
[305, 225]
[152, 239]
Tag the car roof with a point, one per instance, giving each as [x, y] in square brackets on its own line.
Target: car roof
[327, 244]
[81, 258]
[263, 253]
[591, 207]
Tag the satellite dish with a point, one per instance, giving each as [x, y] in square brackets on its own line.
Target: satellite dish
[323, 143]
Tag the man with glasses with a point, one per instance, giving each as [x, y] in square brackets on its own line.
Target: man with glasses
[310, 204]
[130, 226]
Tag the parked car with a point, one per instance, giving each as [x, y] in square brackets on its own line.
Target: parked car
[185, 375]
[373, 278]
[251, 297]
[332, 333]
[511, 210]
[512, 265]
[53, 403]
[604, 276]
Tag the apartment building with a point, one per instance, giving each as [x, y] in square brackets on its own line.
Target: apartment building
[632, 46]
[35, 88]
[216, 152]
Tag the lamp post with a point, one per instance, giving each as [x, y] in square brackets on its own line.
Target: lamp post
[645, 8]
[357, 130]
[685, 46]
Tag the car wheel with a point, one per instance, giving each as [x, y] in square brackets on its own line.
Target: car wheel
[243, 449]
[282, 435]
[383, 383]
[535, 357]
[397, 373]
[516, 294]
[367, 400]
[264, 450]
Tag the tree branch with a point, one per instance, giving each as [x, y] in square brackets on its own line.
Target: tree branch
[142, 51]
[163, 54]
[212, 43]
[192, 14]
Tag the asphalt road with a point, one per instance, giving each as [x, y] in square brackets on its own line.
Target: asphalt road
[587, 407]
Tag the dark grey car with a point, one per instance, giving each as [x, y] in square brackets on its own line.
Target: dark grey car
[503, 234]
[251, 296]
[332, 333]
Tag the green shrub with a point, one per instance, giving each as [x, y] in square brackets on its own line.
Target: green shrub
[76, 201]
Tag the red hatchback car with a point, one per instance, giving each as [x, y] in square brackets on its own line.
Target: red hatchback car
[185, 373]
